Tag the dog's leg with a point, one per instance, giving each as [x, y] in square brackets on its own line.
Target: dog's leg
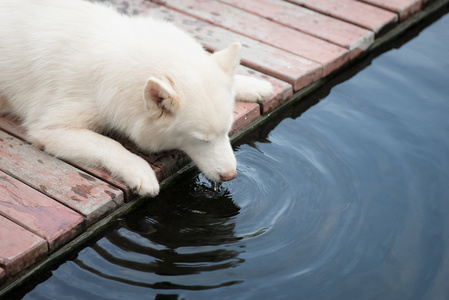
[251, 89]
[90, 148]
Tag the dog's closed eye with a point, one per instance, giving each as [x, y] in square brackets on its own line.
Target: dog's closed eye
[205, 138]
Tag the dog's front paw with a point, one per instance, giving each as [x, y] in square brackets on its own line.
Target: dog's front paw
[139, 176]
[146, 185]
[251, 89]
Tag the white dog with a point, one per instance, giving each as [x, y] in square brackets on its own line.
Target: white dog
[71, 69]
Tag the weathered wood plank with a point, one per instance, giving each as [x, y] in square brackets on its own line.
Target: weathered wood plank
[19, 248]
[404, 8]
[245, 113]
[344, 34]
[41, 215]
[72, 187]
[104, 175]
[329, 55]
[362, 14]
[12, 126]
[267, 59]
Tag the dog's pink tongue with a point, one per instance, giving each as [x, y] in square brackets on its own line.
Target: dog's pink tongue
[228, 176]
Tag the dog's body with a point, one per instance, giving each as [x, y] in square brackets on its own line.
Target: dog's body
[72, 69]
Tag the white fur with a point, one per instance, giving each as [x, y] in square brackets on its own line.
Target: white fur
[71, 70]
[251, 89]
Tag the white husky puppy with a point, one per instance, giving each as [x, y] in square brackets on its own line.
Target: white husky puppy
[72, 69]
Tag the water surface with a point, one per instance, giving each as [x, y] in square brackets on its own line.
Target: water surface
[348, 200]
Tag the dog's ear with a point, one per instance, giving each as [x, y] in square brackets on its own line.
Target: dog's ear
[229, 58]
[159, 93]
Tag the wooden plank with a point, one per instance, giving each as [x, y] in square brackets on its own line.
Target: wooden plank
[308, 21]
[104, 175]
[362, 14]
[72, 187]
[19, 248]
[245, 113]
[404, 8]
[41, 215]
[12, 126]
[267, 59]
[283, 91]
[329, 55]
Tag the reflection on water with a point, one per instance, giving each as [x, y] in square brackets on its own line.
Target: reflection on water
[348, 200]
[171, 239]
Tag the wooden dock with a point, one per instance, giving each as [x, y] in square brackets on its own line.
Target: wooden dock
[45, 203]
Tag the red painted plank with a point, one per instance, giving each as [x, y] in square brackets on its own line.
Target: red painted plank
[74, 188]
[275, 62]
[362, 14]
[283, 91]
[267, 59]
[19, 248]
[12, 126]
[104, 175]
[404, 8]
[244, 113]
[324, 27]
[43, 216]
[330, 56]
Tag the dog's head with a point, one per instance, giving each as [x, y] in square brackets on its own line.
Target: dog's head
[197, 107]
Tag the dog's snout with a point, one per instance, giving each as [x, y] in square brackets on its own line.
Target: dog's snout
[228, 175]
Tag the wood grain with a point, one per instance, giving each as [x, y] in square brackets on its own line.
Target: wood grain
[19, 248]
[43, 216]
[57, 179]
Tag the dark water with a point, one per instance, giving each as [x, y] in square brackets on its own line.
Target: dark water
[349, 200]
